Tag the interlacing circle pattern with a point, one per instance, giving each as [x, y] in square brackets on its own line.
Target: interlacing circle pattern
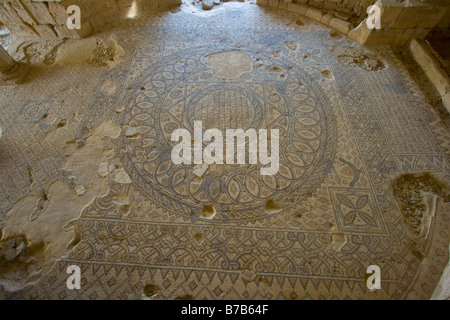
[274, 95]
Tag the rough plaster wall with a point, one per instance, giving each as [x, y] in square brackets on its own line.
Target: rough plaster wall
[30, 19]
[110, 12]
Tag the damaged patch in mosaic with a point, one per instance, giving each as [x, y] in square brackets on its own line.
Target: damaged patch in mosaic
[354, 57]
[46, 222]
[418, 196]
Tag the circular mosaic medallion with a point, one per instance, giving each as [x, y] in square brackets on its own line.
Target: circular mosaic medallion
[225, 107]
[273, 95]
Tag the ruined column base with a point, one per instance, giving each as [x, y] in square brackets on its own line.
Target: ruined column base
[14, 75]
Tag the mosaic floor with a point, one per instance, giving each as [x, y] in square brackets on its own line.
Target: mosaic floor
[86, 175]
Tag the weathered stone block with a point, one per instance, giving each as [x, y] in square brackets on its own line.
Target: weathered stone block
[45, 31]
[17, 6]
[22, 31]
[298, 8]
[342, 16]
[327, 18]
[58, 12]
[314, 13]
[390, 11]
[8, 15]
[361, 33]
[430, 66]
[63, 32]
[340, 25]
[419, 15]
[40, 12]
[387, 36]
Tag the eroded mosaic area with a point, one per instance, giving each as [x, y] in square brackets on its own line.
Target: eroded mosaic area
[86, 150]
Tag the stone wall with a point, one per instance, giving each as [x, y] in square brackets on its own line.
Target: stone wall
[401, 21]
[354, 10]
[425, 57]
[47, 19]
